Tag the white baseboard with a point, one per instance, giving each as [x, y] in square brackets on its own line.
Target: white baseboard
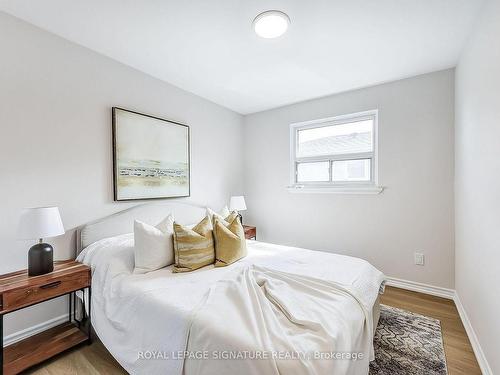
[449, 294]
[476, 347]
[422, 288]
[30, 331]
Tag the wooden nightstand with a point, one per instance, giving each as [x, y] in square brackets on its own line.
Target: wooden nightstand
[250, 232]
[18, 290]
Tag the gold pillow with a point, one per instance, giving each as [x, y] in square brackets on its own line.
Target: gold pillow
[224, 220]
[230, 242]
[193, 248]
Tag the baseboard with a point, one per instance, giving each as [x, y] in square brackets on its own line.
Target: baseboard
[420, 287]
[449, 294]
[30, 331]
[476, 347]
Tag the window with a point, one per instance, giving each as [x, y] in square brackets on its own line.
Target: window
[335, 154]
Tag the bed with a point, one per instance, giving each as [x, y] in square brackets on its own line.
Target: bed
[147, 321]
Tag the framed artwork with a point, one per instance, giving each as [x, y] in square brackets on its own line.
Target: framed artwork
[150, 157]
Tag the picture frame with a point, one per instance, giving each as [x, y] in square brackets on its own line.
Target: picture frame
[151, 157]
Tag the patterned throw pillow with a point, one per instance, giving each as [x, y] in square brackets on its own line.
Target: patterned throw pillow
[193, 248]
[230, 242]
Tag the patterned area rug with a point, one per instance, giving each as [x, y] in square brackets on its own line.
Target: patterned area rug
[407, 344]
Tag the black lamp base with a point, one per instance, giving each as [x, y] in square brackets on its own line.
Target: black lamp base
[40, 259]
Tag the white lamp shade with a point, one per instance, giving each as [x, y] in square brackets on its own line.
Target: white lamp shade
[39, 222]
[237, 203]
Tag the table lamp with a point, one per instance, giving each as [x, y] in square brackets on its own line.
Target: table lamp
[39, 223]
[237, 203]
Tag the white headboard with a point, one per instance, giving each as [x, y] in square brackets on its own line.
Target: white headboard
[123, 222]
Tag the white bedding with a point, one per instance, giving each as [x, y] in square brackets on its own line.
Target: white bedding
[142, 316]
[290, 320]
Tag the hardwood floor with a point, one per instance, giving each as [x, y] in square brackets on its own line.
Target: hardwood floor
[460, 358]
[85, 360]
[95, 359]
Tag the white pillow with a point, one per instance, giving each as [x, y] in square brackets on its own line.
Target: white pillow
[153, 248]
[221, 216]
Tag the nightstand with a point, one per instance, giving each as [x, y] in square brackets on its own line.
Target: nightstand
[18, 290]
[250, 232]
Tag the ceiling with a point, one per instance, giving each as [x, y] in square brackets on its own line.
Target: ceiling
[210, 49]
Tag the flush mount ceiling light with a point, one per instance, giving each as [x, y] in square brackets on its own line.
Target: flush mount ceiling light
[271, 24]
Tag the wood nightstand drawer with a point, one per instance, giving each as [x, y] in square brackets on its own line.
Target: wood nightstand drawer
[46, 290]
[17, 290]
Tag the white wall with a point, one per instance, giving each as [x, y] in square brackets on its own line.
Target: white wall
[415, 212]
[477, 182]
[55, 144]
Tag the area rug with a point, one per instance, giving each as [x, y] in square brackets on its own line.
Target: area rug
[407, 344]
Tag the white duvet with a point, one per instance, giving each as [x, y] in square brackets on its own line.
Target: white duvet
[144, 320]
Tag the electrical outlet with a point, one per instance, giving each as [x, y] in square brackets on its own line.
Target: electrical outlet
[419, 259]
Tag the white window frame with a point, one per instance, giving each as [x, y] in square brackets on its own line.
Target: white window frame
[366, 187]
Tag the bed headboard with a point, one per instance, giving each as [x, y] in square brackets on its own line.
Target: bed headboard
[123, 222]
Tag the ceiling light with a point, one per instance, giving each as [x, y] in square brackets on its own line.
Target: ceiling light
[271, 24]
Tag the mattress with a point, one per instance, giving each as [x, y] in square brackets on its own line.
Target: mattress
[144, 320]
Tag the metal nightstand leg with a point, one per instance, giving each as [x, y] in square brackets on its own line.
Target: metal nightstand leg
[90, 316]
[86, 319]
[70, 318]
[1, 344]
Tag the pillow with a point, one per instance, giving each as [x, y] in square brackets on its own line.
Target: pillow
[224, 219]
[223, 214]
[193, 248]
[230, 242]
[153, 247]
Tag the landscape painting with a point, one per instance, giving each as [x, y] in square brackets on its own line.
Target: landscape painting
[150, 157]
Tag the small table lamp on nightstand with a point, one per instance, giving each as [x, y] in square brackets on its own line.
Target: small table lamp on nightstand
[39, 223]
[237, 203]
